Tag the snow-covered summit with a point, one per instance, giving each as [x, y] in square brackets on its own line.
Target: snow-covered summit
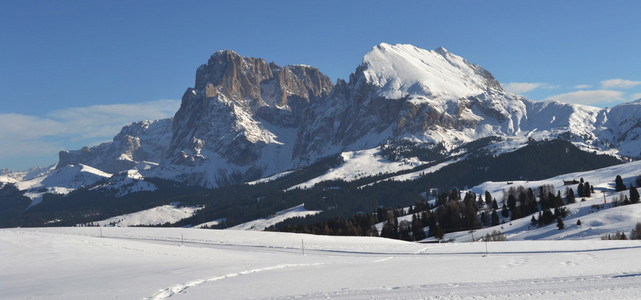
[402, 69]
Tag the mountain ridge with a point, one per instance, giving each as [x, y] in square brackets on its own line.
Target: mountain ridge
[246, 118]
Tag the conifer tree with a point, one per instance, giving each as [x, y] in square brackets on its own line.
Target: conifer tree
[558, 201]
[504, 211]
[484, 219]
[579, 190]
[569, 195]
[533, 205]
[586, 189]
[488, 198]
[417, 228]
[495, 218]
[634, 195]
[439, 232]
[511, 204]
[618, 184]
[635, 234]
[548, 217]
[559, 223]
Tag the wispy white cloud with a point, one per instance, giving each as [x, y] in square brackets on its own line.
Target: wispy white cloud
[26, 135]
[521, 87]
[524, 87]
[106, 120]
[619, 83]
[582, 86]
[590, 97]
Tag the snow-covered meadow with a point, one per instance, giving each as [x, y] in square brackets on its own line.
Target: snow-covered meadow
[179, 263]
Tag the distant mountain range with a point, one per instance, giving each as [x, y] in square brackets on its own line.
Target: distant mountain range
[247, 119]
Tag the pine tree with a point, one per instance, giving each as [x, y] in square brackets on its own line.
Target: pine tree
[635, 234]
[417, 228]
[548, 217]
[484, 219]
[559, 223]
[586, 189]
[533, 205]
[504, 211]
[579, 190]
[495, 218]
[511, 204]
[578, 222]
[439, 232]
[618, 184]
[558, 201]
[488, 198]
[569, 195]
[634, 195]
[533, 221]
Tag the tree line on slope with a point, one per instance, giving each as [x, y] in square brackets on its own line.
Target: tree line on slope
[450, 213]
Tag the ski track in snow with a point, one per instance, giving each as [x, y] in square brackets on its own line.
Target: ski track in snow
[182, 288]
[584, 287]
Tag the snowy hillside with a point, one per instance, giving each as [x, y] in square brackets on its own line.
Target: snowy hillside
[61, 181]
[153, 216]
[261, 224]
[145, 263]
[601, 179]
[598, 214]
[358, 164]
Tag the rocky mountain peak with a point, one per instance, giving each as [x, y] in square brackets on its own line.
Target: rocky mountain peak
[248, 78]
[233, 74]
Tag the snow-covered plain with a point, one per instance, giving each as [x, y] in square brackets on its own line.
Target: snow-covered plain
[177, 263]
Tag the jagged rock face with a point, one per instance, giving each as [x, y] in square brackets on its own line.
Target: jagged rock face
[238, 107]
[138, 142]
[246, 78]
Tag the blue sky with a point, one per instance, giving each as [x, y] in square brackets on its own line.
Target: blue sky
[72, 73]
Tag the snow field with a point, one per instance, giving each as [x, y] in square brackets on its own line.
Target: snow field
[151, 263]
